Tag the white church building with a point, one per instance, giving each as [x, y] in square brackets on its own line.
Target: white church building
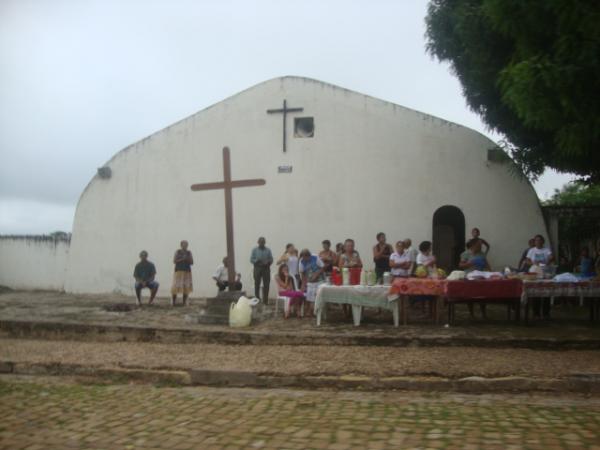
[337, 164]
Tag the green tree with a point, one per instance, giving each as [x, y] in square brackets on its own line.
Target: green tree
[577, 226]
[575, 194]
[531, 70]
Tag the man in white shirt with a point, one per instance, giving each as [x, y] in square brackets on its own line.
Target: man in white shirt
[539, 254]
[412, 253]
[536, 256]
[221, 277]
[400, 261]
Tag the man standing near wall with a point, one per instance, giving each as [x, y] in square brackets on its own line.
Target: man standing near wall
[262, 259]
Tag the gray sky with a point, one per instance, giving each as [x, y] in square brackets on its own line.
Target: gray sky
[81, 79]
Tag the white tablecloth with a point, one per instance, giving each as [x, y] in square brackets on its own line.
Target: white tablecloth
[358, 297]
[549, 288]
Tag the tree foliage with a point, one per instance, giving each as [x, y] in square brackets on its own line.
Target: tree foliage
[576, 228]
[531, 70]
[575, 194]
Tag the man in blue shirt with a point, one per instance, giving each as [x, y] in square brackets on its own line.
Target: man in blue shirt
[262, 259]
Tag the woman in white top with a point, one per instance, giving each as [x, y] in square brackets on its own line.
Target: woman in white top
[425, 258]
[400, 261]
[290, 257]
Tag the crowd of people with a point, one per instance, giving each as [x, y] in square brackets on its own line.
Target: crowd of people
[300, 273]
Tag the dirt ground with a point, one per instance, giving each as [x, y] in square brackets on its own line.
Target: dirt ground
[450, 362]
[569, 320]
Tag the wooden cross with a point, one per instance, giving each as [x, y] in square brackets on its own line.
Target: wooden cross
[284, 110]
[227, 184]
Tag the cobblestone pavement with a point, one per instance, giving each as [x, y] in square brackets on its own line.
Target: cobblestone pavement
[49, 414]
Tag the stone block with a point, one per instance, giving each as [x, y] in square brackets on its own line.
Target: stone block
[224, 378]
[6, 367]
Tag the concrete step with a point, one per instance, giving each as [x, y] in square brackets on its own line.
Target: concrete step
[588, 383]
[250, 336]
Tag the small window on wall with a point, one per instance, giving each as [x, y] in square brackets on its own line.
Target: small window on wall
[304, 127]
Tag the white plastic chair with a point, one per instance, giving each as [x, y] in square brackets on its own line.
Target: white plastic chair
[285, 300]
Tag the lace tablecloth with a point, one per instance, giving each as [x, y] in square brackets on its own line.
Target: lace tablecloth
[549, 288]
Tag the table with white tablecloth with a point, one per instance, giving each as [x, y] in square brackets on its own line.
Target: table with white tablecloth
[357, 297]
[551, 289]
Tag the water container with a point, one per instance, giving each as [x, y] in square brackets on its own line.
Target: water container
[354, 275]
[363, 277]
[240, 313]
[387, 278]
[336, 277]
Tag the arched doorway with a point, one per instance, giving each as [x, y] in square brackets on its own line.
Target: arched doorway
[448, 236]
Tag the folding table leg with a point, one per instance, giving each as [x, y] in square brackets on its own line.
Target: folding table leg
[404, 309]
[356, 313]
[396, 313]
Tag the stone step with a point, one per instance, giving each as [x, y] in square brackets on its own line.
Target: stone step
[218, 308]
[211, 319]
[349, 336]
[577, 383]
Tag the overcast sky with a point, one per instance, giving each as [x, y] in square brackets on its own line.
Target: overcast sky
[80, 80]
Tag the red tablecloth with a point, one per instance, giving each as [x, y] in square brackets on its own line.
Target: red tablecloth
[417, 286]
[458, 289]
[484, 289]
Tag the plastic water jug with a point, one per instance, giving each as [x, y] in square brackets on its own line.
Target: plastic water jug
[240, 313]
[387, 278]
[363, 277]
[371, 278]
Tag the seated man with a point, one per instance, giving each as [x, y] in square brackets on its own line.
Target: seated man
[144, 274]
[221, 277]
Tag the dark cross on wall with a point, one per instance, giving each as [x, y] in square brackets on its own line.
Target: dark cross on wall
[227, 185]
[284, 110]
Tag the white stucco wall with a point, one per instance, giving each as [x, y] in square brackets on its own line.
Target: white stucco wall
[33, 262]
[371, 166]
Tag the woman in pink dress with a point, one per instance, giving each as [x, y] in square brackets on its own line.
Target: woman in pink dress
[286, 285]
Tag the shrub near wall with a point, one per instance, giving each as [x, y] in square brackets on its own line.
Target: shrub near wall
[34, 262]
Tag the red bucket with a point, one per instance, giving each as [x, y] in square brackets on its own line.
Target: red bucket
[355, 275]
